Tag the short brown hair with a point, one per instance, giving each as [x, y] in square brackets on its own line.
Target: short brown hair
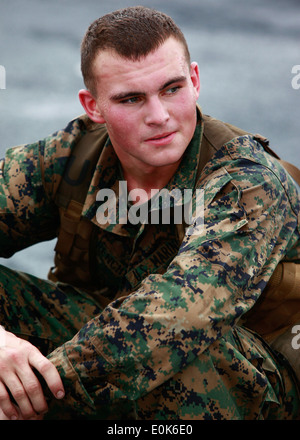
[132, 32]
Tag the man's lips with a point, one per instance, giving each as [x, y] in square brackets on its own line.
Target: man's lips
[162, 138]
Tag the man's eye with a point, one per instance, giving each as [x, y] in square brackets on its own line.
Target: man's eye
[172, 90]
[132, 100]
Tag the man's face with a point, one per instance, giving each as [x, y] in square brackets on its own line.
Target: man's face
[149, 106]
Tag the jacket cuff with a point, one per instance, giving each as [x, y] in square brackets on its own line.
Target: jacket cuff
[77, 401]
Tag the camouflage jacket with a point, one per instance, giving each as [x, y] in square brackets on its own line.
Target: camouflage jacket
[167, 296]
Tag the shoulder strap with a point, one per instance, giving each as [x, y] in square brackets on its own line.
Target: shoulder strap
[81, 165]
[74, 186]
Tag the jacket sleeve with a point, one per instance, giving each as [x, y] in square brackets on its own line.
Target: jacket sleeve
[29, 178]
[24, 210]
[222, 266]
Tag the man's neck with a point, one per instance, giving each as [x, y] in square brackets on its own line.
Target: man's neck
[154, 178]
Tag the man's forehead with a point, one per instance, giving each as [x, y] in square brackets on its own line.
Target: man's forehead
[169, 50]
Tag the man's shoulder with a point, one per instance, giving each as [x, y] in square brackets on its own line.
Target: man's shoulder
[78, 127]
[77, 133]
[228, 142]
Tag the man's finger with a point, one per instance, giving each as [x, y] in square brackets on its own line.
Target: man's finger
[7, 409]
[33, 390]
[19, 394]
[49, 373]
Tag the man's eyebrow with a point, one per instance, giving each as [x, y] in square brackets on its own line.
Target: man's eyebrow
[177, 79]
[127, 95]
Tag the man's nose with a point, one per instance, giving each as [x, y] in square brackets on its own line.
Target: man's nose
[156, 112]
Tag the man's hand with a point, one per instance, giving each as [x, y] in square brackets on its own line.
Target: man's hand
[17, 358]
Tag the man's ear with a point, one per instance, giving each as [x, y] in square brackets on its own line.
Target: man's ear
[195, 77]
[89, 104]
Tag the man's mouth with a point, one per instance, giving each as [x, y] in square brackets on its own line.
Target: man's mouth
[162, 138]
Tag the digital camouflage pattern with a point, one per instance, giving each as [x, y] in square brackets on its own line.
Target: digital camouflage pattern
[165, 334]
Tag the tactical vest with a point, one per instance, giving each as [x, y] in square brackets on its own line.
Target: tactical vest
[75, 253]
[74, 248]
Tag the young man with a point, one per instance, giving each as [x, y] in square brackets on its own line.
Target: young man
[145, 319]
